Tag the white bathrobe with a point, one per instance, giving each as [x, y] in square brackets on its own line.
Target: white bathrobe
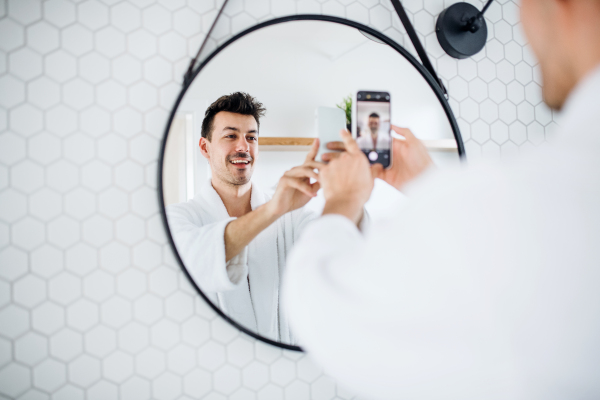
[198, 228]
[486, 287]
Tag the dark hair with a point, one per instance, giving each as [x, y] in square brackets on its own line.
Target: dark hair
[239, 103]
[374, 115]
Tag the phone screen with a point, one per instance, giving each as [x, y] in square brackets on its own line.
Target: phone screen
[373, 125]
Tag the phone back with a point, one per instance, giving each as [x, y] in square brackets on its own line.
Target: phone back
[330, 121]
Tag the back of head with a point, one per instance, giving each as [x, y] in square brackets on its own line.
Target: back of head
[238, 103]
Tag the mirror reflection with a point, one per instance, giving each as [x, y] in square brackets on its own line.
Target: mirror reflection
[241, 160]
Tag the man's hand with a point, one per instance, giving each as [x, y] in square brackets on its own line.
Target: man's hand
[410, 159]
[294, 189]
[347, 181]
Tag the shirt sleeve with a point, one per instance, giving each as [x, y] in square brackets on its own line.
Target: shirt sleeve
[202, 250]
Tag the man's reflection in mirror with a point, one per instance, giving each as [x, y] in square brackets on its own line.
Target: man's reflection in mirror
[233, 238]
[373, 136]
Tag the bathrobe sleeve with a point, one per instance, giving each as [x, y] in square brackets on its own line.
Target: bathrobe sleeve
[202, 250]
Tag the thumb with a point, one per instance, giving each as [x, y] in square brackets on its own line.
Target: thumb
[377, 170]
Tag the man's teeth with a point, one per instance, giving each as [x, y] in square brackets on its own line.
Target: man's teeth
[240, 162]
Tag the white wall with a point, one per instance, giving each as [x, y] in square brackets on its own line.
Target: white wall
[92, 304]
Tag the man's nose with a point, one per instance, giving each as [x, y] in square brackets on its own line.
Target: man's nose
[242, 145]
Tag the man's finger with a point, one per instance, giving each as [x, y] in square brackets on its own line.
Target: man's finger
[312, 153]
[313, 164]
[349, 143]
[302, 186]
[301, 172]
[376, 170]
[337, 145]
[329, 156]
[405, 132]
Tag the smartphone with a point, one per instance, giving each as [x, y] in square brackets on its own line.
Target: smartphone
[330, 121]
[373, 126]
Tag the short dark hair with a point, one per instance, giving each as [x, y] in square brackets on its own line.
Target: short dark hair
[239, 103]
[374, 115]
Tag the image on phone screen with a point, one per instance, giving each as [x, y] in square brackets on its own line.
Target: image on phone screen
[373, 125]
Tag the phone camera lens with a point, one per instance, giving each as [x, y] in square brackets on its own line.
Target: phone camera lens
[378, 96]
[359, 96]
[387, 97]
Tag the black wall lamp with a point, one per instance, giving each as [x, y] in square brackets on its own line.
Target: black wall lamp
[461, 29]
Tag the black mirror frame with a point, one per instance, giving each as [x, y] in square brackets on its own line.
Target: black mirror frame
[187, 83]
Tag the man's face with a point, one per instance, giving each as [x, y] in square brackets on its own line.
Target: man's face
[373, 124]
[543, 23]
[233, 148]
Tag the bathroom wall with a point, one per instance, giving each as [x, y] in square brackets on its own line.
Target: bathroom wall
[92, 303]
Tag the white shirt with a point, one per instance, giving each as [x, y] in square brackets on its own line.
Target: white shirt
[365, 141]
[246, 288]
[487, 286]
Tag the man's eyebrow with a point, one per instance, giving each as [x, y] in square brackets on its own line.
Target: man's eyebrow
[231, 128]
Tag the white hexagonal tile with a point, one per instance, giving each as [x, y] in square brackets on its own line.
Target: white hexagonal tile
[43, 93]
[97, 230]
[78, 148]
[26, 120]
[148, 309]
[27, 176]
[98, 286]
[66, 344]
[115, 257]
[144, 149]
[480, 132]
[48, 318]
[526, 113]
[59, 12]
[535, 133]
[211, 356]
[323, 388]
[45, 204]
[29, 291]
[241, 22]
[505, 71]
[14, 380]
[61, 120]
[94, 121]
[478, 90]
[130, 229]
[77, 40]
[42, 37]
[117, 367]
[486, 70]
[197, 383]
[300, 391]
[497, 91]
[187, 22]
[14, 263]
[131, 283]
[80, 203]
[12, 35]
[156, 19]
[163, 281]
[270, 391]
[164, 334]
[129, 175]
[494, 50]
[125, 16]
[84, 370]
[240, 352]
[49, 375]
[308, 371]
[81, 259]
[524, 73]
[150, 363]
[488, 111]
[78, 94]
[96, 175]
[111, 95]
[126, 69]
[92, 14]
[507, 112]
[112, 148]
[31, 348]
[181, 359]
[102, 390]
[12, 148]
[358, 12]
[172, 46]
[24, 11]
[12, 91]
[518, 132]
[167, 386]
[143, 96]
[227, 379]
[63, 232]
[142, 44]
[503, 31]
[136, 388]
[148, 255]
[64, 288]
[113, 203]
[158, 71]
[82, 315]
[499, 132]
[28, 233]
[469, 110]
[100, 341]
[5, 297]
[94, 68]
[134, 337]
[116, 312]
[60, 66]
[110, 42]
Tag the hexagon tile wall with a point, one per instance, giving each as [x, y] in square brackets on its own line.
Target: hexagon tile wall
[92, 303]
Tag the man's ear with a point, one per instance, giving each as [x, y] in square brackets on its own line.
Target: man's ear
[204, 143]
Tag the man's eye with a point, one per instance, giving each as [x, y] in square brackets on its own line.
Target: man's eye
[252, 138]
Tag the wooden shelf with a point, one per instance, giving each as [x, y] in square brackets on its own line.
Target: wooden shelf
[303, 144]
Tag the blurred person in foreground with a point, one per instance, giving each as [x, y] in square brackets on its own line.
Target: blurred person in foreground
[488, 285]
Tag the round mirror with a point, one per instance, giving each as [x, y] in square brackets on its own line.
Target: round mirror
[221, 165]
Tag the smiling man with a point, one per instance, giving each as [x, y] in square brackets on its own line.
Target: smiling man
[232, 237]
